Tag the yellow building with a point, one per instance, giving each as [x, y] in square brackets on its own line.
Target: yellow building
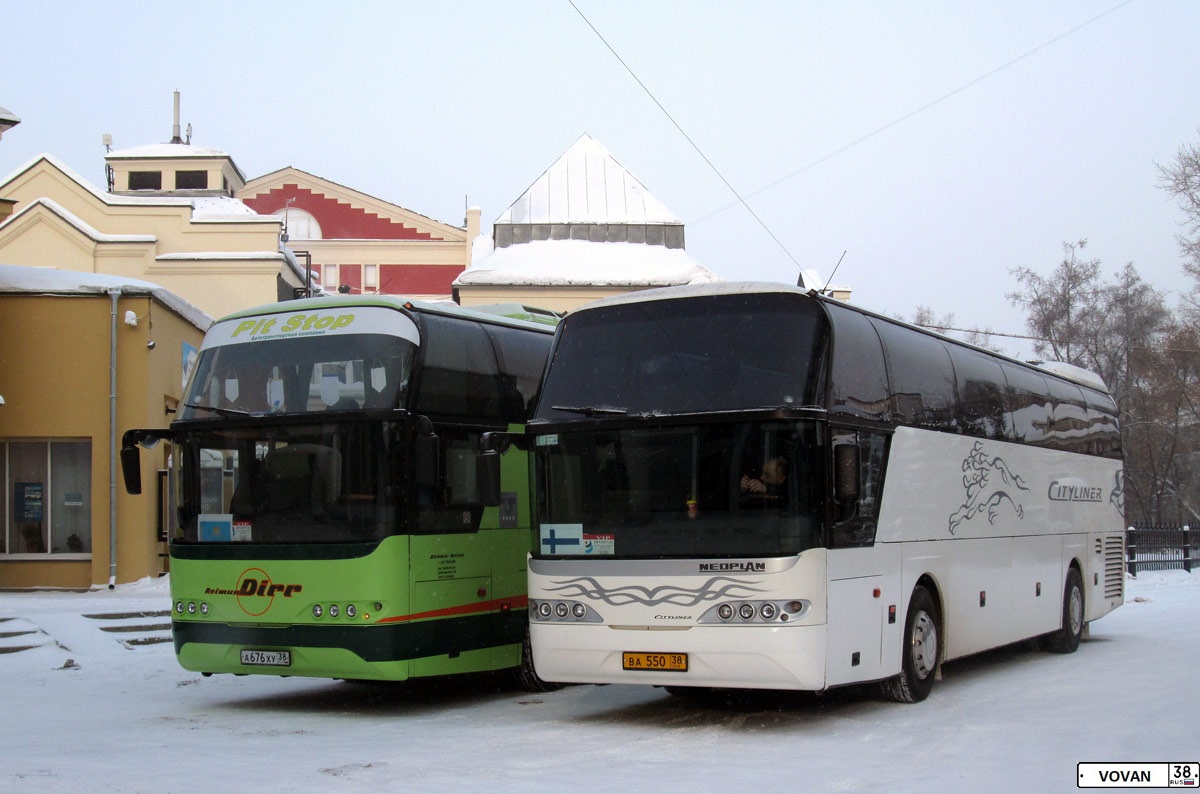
[83, 357]
[200, 243]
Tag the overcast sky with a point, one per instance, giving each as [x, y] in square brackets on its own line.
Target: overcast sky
[939, 144]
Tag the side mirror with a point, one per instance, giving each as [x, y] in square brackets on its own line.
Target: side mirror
[427, 454]
[846, 469]
[487, 477]
[131, 459]
[131, 468]
[487, 465]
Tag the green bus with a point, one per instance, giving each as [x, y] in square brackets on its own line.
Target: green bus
[326, 514]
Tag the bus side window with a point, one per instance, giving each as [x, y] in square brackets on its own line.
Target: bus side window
[855, 521]
[453, 504]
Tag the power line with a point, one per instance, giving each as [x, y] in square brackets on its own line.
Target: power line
[688, 138]
[900, 120]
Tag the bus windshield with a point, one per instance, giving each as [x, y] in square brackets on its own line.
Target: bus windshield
[320, 482]
[705, 355]
[723, 489]
[271, 364]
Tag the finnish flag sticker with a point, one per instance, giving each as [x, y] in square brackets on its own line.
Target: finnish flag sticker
[561, 538]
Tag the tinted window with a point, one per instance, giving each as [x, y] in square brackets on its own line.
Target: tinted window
[691, 355]
[1070, 429]
[982, 408]
[522, 357]
[459, 376]
[922, 377]
[1104, 437]
[859, 378]
[1029, 406]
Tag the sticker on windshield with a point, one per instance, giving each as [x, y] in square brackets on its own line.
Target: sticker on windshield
[561, 538]
[599, 544]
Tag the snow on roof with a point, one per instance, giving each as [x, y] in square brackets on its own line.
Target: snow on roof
[211, 208]
[204, 208]
[158, 151]
[19, 279]
[583, 263]
[80, 225]
[587, 185]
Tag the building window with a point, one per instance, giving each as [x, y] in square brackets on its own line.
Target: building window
[47, 498]
[191, 180]
[330, 282]
[145, 180]
[301, 225]
[370, 277]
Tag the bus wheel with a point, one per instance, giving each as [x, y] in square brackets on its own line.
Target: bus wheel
[1066, 639]
[921, 654]
[527, 677]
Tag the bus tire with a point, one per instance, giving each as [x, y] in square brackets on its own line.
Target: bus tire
[525, 674]
[921, 651]
[1066, 639]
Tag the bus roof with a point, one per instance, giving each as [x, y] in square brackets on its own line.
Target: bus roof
[500, 314]
[1070, 372]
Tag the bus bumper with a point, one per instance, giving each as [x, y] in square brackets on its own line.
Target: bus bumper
[785, 657]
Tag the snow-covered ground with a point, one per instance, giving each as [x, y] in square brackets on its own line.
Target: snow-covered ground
[90, 709]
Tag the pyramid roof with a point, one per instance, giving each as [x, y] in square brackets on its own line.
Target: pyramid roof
[587, 185]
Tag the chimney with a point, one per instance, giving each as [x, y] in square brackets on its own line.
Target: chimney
[175, 127]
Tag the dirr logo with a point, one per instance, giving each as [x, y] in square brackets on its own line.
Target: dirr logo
[256, 592]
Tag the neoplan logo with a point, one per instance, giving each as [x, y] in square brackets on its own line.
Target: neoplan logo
[740, 567]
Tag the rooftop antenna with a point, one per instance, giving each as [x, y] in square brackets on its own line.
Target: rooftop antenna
[107, 140]
[175, 126]
[825, 290]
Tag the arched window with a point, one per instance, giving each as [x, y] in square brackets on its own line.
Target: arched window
[301, 225]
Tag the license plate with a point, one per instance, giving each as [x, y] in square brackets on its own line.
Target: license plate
[675, 662]
[266, 658]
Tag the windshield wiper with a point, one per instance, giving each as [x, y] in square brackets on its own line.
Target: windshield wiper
[591, 410]
[218, 411]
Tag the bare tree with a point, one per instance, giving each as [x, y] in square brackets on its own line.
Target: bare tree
[1123, 331]
[1182, 180]
[1060, 310]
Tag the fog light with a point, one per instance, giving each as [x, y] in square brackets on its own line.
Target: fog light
[544, 609]
[333, 610]
[179, 607]
[561, 610]
[316, 610]
[191, 607]
[203, 608]
[746, 611]
[768, 611]
[351, 611]
[579, 611]
[725, 612]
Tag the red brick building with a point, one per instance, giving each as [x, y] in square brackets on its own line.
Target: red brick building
[360, 243]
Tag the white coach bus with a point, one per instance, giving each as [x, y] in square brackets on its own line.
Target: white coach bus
[753, 485]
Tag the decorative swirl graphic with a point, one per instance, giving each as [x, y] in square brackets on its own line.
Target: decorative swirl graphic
[984, 479]
[716, 588]
[1117, 498]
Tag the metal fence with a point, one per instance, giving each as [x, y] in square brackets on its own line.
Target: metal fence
[1161, 548]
